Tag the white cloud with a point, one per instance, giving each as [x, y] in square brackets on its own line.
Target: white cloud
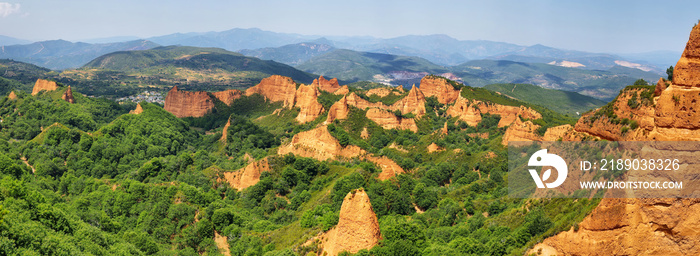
[8, 8]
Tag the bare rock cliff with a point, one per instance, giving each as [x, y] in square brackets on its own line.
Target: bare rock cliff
[306, 100]
[248, 176]
[68, 95]
[188, 104]
[440, 88]
[686, 71]
[228, 96]
[388, 120]
[44, 85]
[414, 103]
[326, 85]
[357, 227]
[275, 88]
[12, 95]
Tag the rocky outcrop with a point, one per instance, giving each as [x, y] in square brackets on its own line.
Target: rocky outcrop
[413, 103]
[357, 227]
[306, 100]
[68, 95]
[248, 176]
[389, 167]
[326, 85]
[660, 86]
[342, 91]
[43, 85]
[276, 89]
[339, 110]
[521, 131]
[388, 120]
[224, 132]
[381, 92]
[633, 227]
[137, 110]
[465, 111]
[228, 96]
[685, 73]
[188, 104]
[643, 226]
[12, 95]
[319, 144]
[470, 111]
[434, 148]
[356, 101]
[440, 88]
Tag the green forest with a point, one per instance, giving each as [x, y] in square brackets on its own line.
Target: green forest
[92, 179]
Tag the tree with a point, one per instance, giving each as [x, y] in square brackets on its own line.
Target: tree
[641, 82]
[669, 72]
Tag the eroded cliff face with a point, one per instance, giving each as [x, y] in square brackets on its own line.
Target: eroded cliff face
[357, 227]
[12, 95]
[228, 96]
[686, 71]
[248, 176]
[440, 88]
[643, 226]
[43, 85]
[388, 120]
[632, 227]
[224, 132]
[68, 95]
[339, 110]
[470, 111]
[319, 144]
[326, 85]
[306, 100]
[275, 88]
[137, 110]
[188, 104]
[465, 111]
[413, 103]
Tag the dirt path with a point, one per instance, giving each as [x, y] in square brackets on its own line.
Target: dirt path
[222, 243]
[24, 159]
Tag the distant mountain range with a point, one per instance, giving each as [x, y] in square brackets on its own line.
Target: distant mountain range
[61, 54]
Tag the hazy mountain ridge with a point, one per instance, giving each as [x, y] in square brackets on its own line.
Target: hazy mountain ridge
[61, 54]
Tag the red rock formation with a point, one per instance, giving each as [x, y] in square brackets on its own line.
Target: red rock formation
[137, 110]
[521, 131]
[228, 96]
[389, 167]
[440, 88]
[275, 88]
[686, 71]
[384, 91]
[414, 103]
[644, 226]
[339, 110]
[44, 85]
[434, 148]
[68, 95]
[318, 144]
[188, 104]
[248, 176]
[660, 86]
[306, 100]
[326, 85]
[444, 130]
[465, 111]
[342, 91]
[224, 132]
[12, 95]
[356, 101]
[470, 111]
[388, 120]
[357, 227]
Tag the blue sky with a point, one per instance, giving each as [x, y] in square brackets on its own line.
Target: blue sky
[597, 26]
